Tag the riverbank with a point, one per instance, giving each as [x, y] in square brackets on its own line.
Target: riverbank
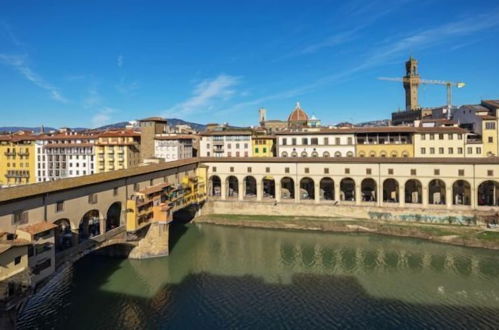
[470, 236]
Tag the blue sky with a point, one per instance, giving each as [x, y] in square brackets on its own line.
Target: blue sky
[89, 63]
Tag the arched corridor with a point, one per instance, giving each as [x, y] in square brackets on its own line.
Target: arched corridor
[63, 235]
[249, 187]
[113, 216]
[461, 192]
[326, 189]
[436, 190]
[215, 186]
[390, 191]
[268, 183]
[488, 193]
[89, 225]
[232, 187]
[287, 188]
[307, 189]
[413, 192]
[347, 189]
[368, 190]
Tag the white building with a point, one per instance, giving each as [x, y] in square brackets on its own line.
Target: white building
[173, 147]
[316, 143]
[64, 155]
[229, 143]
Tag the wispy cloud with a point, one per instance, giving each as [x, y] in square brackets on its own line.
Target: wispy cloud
[8, 30]
[127, 88]
[92, 99]
[205, 95]
[19, 64]
[120, 61]
[102, 117]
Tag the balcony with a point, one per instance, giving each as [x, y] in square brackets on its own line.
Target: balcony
[9, 153]
[23, 153]
[17, 175]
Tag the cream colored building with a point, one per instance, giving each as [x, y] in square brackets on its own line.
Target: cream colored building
[440, 142]
[226, 143]
[117, 150]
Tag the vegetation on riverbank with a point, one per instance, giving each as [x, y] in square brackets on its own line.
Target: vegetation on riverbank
[472, 236]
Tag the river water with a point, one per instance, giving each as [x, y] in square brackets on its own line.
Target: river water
[226, 277]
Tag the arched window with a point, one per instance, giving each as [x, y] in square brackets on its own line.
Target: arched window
[294, 154]
[349, 154]
[382, 154]
[326, 154]
[284, 154]
[394, 154]
[304, 154]
[337, 154]
[372, 154]
[315, 154]
[405, 154]
[362, 154]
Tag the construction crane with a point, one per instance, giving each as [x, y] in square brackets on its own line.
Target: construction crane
[449, 85]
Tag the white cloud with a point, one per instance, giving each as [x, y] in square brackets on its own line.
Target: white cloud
[102, 117]
[205, 95]
[119, 61]
[19, 64]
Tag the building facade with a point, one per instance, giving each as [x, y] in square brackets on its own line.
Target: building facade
[316, 143]
[173, 147]
[263, 146]
[117, 150]
[228, 143]
[17, 159]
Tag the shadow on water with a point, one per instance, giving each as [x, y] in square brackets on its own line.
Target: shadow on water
[212, 302]
[178, 227]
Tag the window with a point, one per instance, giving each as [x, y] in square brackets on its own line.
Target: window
[436, 172]
[423, 151]
[17, 260]
[115, 190]
[314, 141]
[451, 150]
[136, 187]
[213, 169]
[490, 172]
[286, 170]
[326, 170]
[423, 137]
[369, 171]
[469, 150]
[304, 141]
[326, 141]
[347, 171]
[151, 182]
[256, 150]
[349, 140]
[460, 151]
[249, 169]
[293, 141]
[307, 170]
[19, 217]
[59, 206]
[92, 199]
[441, 136]
[490, 125]
[491, 139]
[267, 169]
[460, 172]
[231, 169]
[284, 154]
[441, 150]
[390, 171]
[478, 150]
[432, 136]
[432, 151]
[338, 142]
[413, 171]
[284, 141]
[264, 150]
[450, 136]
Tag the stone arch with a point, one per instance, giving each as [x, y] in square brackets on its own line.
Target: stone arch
[63, 234]
[326, 154]
[488, 193]
[284, 154]
[215, 186]
[268, 184]
[347, 189]
[287, 188]
[413, 190]
[372, 154]
[315, 153]
[382, 153]
[337, 154]
[249, 187]
[390, 191]
[89, 225]
[461, 193]
[368, 190]
[326, 189]
[394, 154]
[113, 216]
[362, 154]
[232, 184]
[436, 191]
[349, 154]
[307, 188]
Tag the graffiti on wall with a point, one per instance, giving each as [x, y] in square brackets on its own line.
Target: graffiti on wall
[455, 220]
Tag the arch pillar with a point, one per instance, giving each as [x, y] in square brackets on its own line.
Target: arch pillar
[240, 188]
[425, 195]
[402, 195]
[448, 195]
[379, 193]
[277, 184]
[223, 189]
[102, 224]
[358, 193]
[337, 190]
[297, 190]
[317, 190]
[473, 195]
[259, 189]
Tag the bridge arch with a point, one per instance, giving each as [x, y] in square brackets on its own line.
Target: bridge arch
[113, 216]
[63, 234]
[90, 224]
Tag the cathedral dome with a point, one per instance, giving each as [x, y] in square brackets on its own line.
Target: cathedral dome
[298, 115]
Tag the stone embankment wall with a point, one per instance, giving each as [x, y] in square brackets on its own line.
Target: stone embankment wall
[429, 215]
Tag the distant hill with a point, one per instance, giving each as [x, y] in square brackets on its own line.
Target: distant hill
[122, 124]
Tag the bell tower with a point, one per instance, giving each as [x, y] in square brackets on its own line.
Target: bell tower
[411, 84]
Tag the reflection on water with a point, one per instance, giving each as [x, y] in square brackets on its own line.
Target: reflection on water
[238, 277]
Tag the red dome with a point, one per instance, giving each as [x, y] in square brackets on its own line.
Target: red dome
[298, 114]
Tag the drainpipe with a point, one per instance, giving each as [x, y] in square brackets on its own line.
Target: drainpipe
[45, 196]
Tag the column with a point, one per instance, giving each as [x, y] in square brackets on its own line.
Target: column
[402, 195]
[473, 196]
[448, 197]
[240, 189]
[277, 190]
[223, 189]
[317, 192]
[337, 191]
[358, 194]
[102, 225]
[425, 196]
[297, 191]
[379, 193]
[259, 189]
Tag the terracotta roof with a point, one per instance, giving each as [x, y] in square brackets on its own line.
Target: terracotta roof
[155, 189]
[381, 129]
[124, 133]
[38, 228]
[68, 137]
[68, 145]
[6, 245]
[298, 114]
[489, 117]
[222, 133]
[494, 103]
[17, 137]
[175, 137]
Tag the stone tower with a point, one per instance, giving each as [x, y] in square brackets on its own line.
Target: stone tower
[263, 116]
[411, 84]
